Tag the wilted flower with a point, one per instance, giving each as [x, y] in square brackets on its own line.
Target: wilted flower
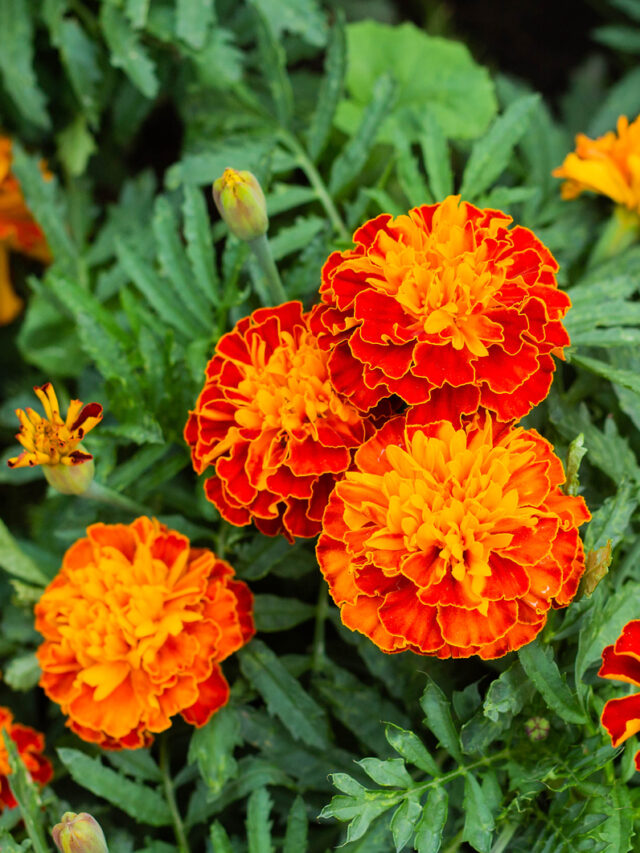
[241, 203]
[18, 233]
[621, 662]
[609, 165]
[270, 424]
[452, 542]
[30, 744]
[79, 833]
[54, 443]
[135, 626]
[446, 303]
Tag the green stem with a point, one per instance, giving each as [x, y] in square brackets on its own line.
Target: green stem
[178, 826]
[504, 838]
[322, 607]
[622, 230]
[102, 494]
[261, 249]
[314, 178]
[456, 841]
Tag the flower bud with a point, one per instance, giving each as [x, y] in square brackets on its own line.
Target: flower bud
[241, 203]
[79, 833]
[70, 479]
[537, 728]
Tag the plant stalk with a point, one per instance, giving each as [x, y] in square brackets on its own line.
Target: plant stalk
[262, 251]
[165, 769]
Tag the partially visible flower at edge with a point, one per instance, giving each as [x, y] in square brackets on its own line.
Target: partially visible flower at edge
[54, 443]
[444, 303]
[452, 542]
[18, 233]
[609, 165]
[135, 626]
[270, 426]
[30, 744]
[621, 662]
[79, 833]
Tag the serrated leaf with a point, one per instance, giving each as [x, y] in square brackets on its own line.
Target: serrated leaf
[607, 616]
[409, 175]
[411, 748]
[137, 763]
[220, 841]
[302, 17]
[140, 802]
[26, 793]
[331, 88]
[76, 145]
[507, 694]
[404, 821]
[429, 830]
[627, 378]
[127, 52]
[610, 521]
[273, 613]
[490, 155]
[284, 696]
[193, 19]
[258, 823]
[14, 561]
[575, 454]
[478, 819]
[353, 156]
[435, 154]
[213, 746]
[274, 66]
[295, 839]
[623, 98]
[197, 229]
[389, 772]
[22, 672]
[16, 62]
[438, 710]
[540, 666]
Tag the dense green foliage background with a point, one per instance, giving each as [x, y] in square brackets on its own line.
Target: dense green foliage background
[138, 105]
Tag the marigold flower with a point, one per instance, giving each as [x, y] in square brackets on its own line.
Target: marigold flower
[452, 542]
[18, 233]
[30, 745]
[51, 441]
[270, 424]
[135, 626]
[621, 662]
[609, 165]
[445, 302]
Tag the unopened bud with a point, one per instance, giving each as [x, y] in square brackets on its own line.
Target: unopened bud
[537, 728]
[70, 479]
[79, 833]
[241, 203]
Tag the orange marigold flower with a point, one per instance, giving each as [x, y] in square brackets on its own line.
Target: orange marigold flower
[609, 165]
[18, 233]
[270, 424]
[30, 745]
[452, 542]
[621, 662]
[50, 440]
[135, 626]
[445, 302]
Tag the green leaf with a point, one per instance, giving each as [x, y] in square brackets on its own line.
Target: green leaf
[80, 56]
[607, 615]
[220, 841]
[197, 230]
[507, 694]
[435, 154]
[204, 167]
[76, 145]
[139, 801]
[16, 61]
[353, 156]
[448, 84]
[14, 561]
[537, 661]
[127, 51]
[409, 175]
[137, 763]
[490, 155]
[295, 237]
[431, 826]
[258, 823]
[193, 19]
[622, 99]
[404, 821]
[438, 710]
[295, 839]
[273, 613]
[331, 88]
[478, 819]
[626, 378]
[610, 521]
[618, 829]
[301, 17]
[618, 37]
[8, 845]
[411, 748]
[575, 454]
[273, 63]
[22, 672]
[391, 772]
[27, 794]
[284, 696]
[213, 746]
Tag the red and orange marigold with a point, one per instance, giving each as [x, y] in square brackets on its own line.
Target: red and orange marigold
[621, 662]
[135, 626]
[452, 541]
[270, 425]
[30, 745]
[446, 302]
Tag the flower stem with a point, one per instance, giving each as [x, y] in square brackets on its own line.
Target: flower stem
[102, 494]
[504, 838]
[165, 769]
[322, 606]
[622, 230]
[260, 248]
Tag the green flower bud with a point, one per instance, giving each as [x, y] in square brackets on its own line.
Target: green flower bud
[241, 203]
[70, 479]
[537, 728]
[79, 833]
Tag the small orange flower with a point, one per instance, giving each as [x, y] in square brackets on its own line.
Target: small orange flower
[30, 744]
[18, 233]
[444, 303]
[609, 165]
[135, 626]
[452, 542]
[50, 440]
[621, 662]
[270, 424]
